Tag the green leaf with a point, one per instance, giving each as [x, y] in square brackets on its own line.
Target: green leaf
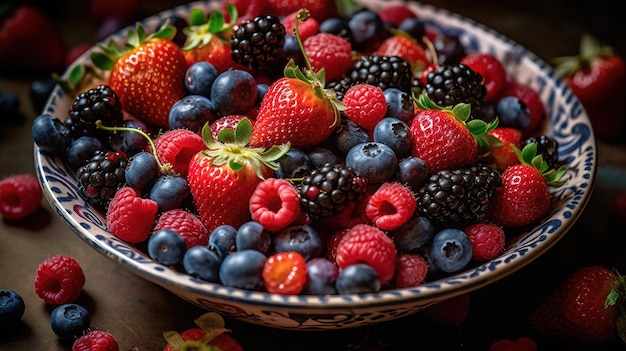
[216, 22]
[197, 17]
[167, 33]
[101, 60]
[226, 135]
[462, 111]
[477, 127]
[235, 166]
[231, 9]
[243, 132]
[76, 75]
[276, 152]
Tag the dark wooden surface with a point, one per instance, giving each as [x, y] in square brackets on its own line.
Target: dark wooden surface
[137, 312]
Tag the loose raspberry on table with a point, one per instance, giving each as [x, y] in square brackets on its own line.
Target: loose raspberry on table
[185, 223]
[96, 340]
[367, 244]
[177, 147]
[59, 279]
[275, 203]
[365, 105]
[20, 196]
[391, 205]
[487, 240]
[130, 217]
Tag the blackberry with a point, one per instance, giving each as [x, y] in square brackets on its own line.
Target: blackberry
[258, 42]
[449, 85]
[327, 190]
[547, 147]
[98, 104]
[101, 177]
[382, 71]
[458, 197]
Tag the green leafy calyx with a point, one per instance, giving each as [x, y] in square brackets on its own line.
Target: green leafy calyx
[528, 156]
[202, 30]
[590, 49]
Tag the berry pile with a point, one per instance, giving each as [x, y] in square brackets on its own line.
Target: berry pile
[338, 156]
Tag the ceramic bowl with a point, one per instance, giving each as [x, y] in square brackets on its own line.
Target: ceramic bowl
[567, 122]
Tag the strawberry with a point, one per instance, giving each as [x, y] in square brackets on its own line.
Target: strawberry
[395, 14]
[530, 98]
[147, 75]
[597, 76]
[408, 48]
[521, 344]
[223, 177]
[502, 155]
[524, 196]
[319, 9]
[442, 138]
[583, 309]
[208, 39]
[30, 40]
[296, 108]
[492, 71]
[125, 10]
[211, 330]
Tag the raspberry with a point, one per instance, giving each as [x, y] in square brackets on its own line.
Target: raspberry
[285, 273]
[177, 147]
[492, 71]
[96, 340]
[332, 243]
[411, 270]
[394, 15]
[521, 344]
[185, 223]
[487, 240]
[226, 122]
[20, 196]
[331, 52]
[532, 100]
[453, 311]
[129, 217]
[365, 105]
[367, 244]
[390, 206]
[59, 280]
[275, 204]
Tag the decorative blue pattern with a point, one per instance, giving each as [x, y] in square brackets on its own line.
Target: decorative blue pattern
[568, 124]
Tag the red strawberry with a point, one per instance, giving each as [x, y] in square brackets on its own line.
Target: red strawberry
[319, 9]
[226, 122]
[223, 177]
[185, 223]
[583, 309]
[442, 139]
[211, 331]
[395, 14]
[531, 98]
[408, 48]
[129, 217]
[492, 71]
[502, 154]
[597, 76]
[521, 344]
[329, 51]
[147, 75]
[30, 40]
[296, 108]
[524, 196]
[125, 10]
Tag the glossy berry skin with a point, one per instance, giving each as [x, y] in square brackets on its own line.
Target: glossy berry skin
[513, 112]
[300, 238]
[531, 99]
[202, 262]
[358, 278]
[96, 340]
[69, 321]
[252, 235]
[285, 273]
[192, 112]
[376, 162]
[222, 240]
[294, 164]
[414, 235]
[367, 30]
[130, 142]
[399, 104]
[321, 277]
[320, 156]
[412, 171]
[451, 250]
[20, 196]
[81, 150]
[243, 269]
[12, 307]
[504, 156]
[51, 135]
[167, 247]
[492, 71]
[142, 171]
[347, 135]
[59, 279]
[200, 77]
[185, 223]
[395, 134]
[170, 192]
[234, 92]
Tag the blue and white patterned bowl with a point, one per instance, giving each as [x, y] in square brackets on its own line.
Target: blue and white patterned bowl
[567, 123]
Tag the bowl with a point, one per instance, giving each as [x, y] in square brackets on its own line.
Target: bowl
[567, 122]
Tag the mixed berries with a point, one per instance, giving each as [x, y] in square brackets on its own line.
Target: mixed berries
[296, 152]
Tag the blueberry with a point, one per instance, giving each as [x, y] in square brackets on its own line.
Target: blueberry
[320, 156]
[449, 48]
[321, 277]
[300, 238]
[70, 321]
[81, 150]
[367, 30]
[399, 104]
[12, 307]
[450, 250]
[131, 142]
[10, 109]
[234, 92]
[170, 192]
[294, 164]
[347, 135]
[412, 171]
[243, 269]
[200, 77]
[222, 240]
[51, 135]
[202, 262]
[394, 133]
[192, 112]
[413, 27]
[262, 89]
[40, 90]
[252, 235]
[167, 247]
[292, 50]
[335, 25]
[142, 171]
[358, 278]
[414, 235]
[513, 112]
[375, 161]
[179, 23]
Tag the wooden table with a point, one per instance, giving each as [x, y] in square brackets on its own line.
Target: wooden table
[137, 312]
